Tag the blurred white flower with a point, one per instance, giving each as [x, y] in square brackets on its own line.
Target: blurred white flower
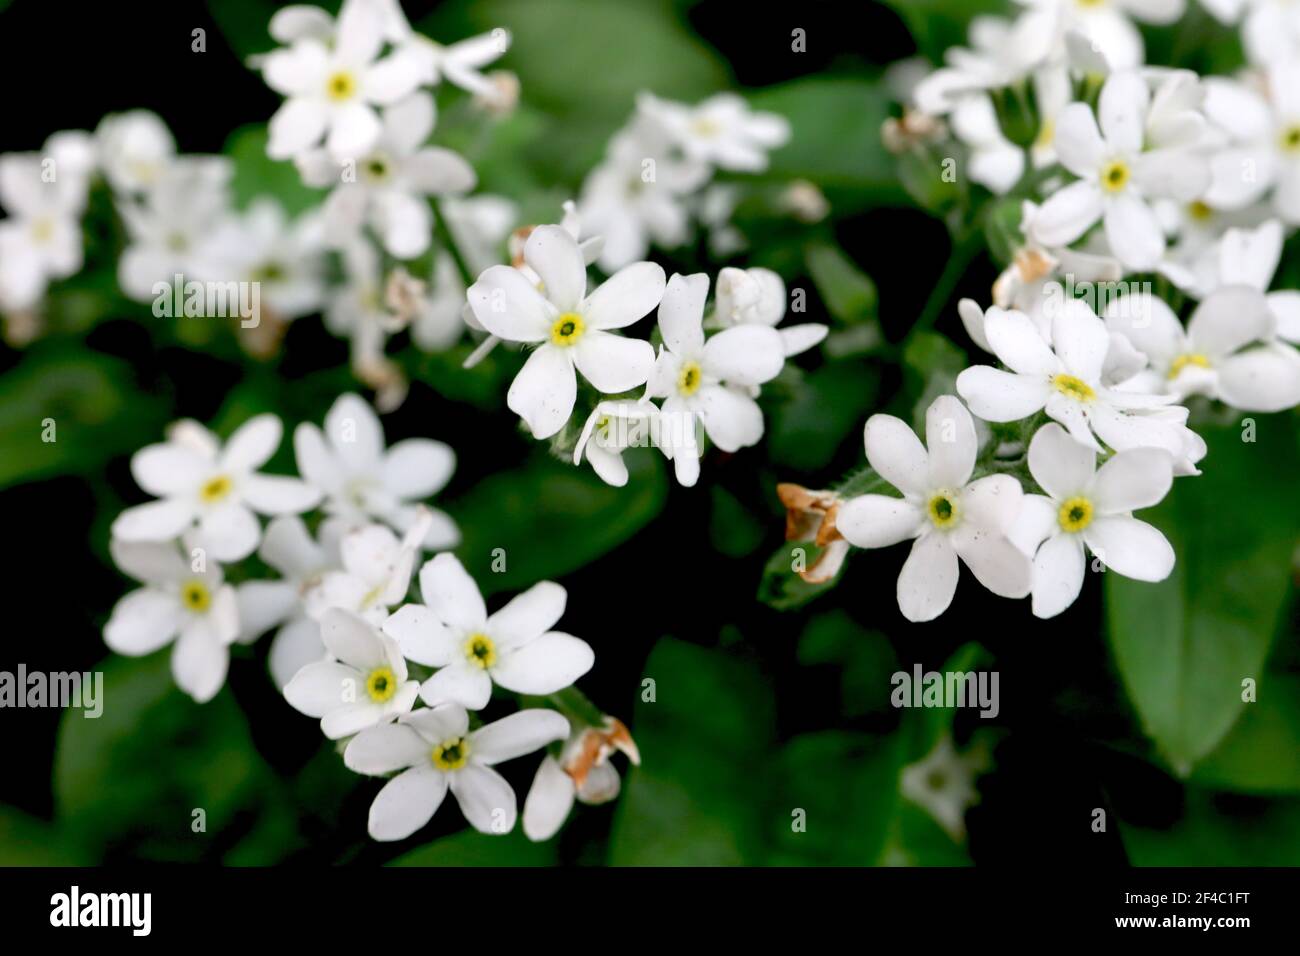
[134, 149]
[514, 648]
[286, 259]
[375, 573]
[722, 131]
[195, 608]
[943, 783]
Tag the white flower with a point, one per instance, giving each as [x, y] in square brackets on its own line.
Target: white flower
[385, 187]
[1118, 175]
[435, 751]
[1263, 149]
[514, 648]
[582, 770]
[1270, 31]
[375, 574]
[1065, 378]
[611, 428]
[947, 514]
[365, 684]
[460, 63]
[1251, 257]
[1228, 350]
[638, 195]
[285, 259]
[1086, 505]
[1002, 53]
[995, 162]
[355, 310]
[332, 89]
[200, 483]
[708, 381]
[943, 783]
[757, 296]
[1108, 24]
[361, 479]
[722, 130]
[194, 608]
[45, 195]
[170, 229]
[135, 148]
[570, 327]
[302, 561]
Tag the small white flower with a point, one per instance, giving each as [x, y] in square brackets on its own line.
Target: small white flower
[1270, 30]
[375, 574]
[385, 187]
[364, 685]
[708, 381]
[355, 310]
[1228, 350]
[302, 562]
[1250, 257]
[435, 751]
[45, 195]
[947, 514]
[201, 483]
[135, 148]
[285, 259]
[943, 783]
[1091, 506]
[994, 162]
[1065, 378]
[331, 90]
[721, 131]
[1119, 175]
[361, 479]
[757, 297]
[583, 771]
[1002, 53]
[514, 648]
[1108, 24]
[611, 428]
[194, 608]
[571, 328]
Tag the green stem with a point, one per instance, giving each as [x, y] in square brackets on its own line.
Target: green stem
[443, 229]
[964, 250]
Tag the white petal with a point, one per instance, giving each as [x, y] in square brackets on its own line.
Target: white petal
[169, 469]
[352, 640]
[548, 802]
[154, 521]
[1080, 340]
[451, 593]
[252, 444]
[1133, 479]
[554, 255]
[681, 316]
[928, 579]
[323, 686]
[149, 561]
[1061, 466]
[296, 126]
[417, 468]
[1130, 547]
[385, 749]
[731, 419]
[288, 548]
[627, 295]
[612, 362]
[744, 355]
[264, 605]
[1122, 109]
[544, 391]
[1068, 213]
[1058, 574]
[1263, 379]
[992, 502]
[1016, 341]
[1230, 318]
[506, 304]
[278, 494]
[199, 662]
[996, 563]
[354, 129]
[1133, 232]
[1148, 323]
[877, 521]
[229, 532]
[998, 396]
[528, 615]
[485, 799]
[896, 454]
[950, 442]
[517, 734]
[421, 636]
[142, 622]
[544, 665]
[1079, 146]
[294, 646]
[407, 803]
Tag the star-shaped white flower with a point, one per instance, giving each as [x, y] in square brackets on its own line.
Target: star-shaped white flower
[947, 514]
[361, 479]
[1065, 378]
[135, 148]
[1118, 175]
[721, 131]
[435, 751]
[708, 381]
[1091, 506]
[611, 428]
[332, 89]
[365, 684]
[196, 609]
[570, 328]
[943, 783]
[757, 297]
[286, 259]
[514, 647]
[216, 488]
[1228, 350]
[375, 576]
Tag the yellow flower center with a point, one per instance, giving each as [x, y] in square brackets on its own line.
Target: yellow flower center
[341, 86]
[943, 509]
[376, 168]
[451, 754]
[1115, 176]
[1290, 138]
[689, 378]
[1075, 388]
[1075, 514]
[480, 650]
[195, 596]
[381, 684]
[1183, 361]
[1200, 211]
[42, 230]
[568, 328]
[214, 489]
[705, 127]
[1046, 134]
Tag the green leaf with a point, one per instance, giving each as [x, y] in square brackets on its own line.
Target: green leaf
[471, 848]
[69, 413]
[781, 587]
[1184, 645]
[1207, 835]
[547, 518]
[825, 408]
[848, 292]
[835, 139]
[937, 25]
[27, 841]
[1261, 754]
[131, 779]
[704, 740]
[931, 364]
[256, 174]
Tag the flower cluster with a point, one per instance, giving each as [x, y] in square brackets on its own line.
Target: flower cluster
[1146, 187]
[337, 599]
